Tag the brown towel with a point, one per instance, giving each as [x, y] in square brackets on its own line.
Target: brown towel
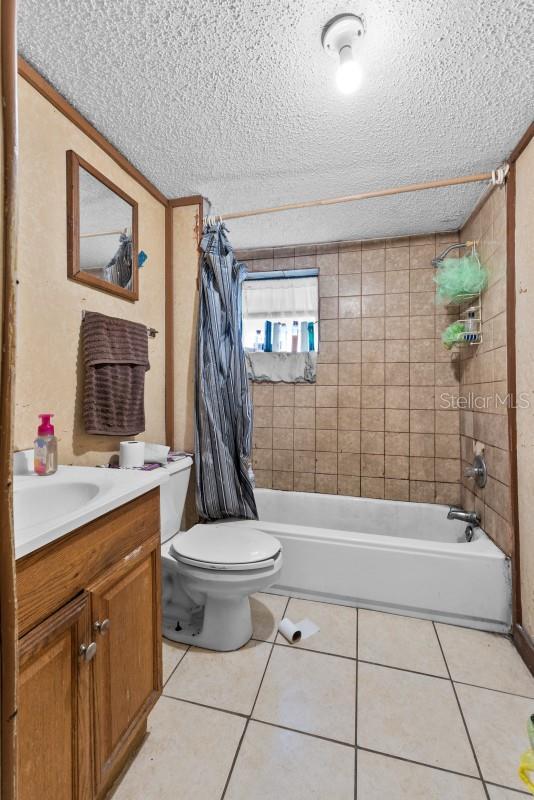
[115, 354]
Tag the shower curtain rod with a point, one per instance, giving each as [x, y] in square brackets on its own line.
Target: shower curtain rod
[497, 177]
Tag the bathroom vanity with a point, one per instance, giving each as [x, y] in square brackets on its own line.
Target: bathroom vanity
[90, 639]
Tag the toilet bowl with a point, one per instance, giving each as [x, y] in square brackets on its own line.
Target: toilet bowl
[209, 572]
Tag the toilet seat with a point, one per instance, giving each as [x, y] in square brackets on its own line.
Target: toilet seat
[225, 547]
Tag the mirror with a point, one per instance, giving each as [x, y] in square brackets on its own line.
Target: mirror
[101, 231]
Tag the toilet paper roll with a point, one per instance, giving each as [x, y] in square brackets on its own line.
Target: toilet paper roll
[289, 630]
[131, 455]
[156, 453]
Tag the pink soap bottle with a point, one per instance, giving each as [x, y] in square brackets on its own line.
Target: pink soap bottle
[45, 447]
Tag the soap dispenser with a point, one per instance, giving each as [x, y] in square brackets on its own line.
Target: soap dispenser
[45, 447]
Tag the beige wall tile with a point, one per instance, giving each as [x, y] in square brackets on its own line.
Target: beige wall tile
[373, 487]
[325, 418]
[397, 397]
[350, 261]
[397, 421]
[350, 307]
[264, 478]
[348, 419]
[421, 469]
[372, 419]
[304, 417]
[372, 397]
[373, 305]
[328, 330]
[328, 308]
[263, 437]
[326, 463]
[397, 374]
[326, 484]
[398, 328]
[398, 305]
[422, 444]
[373, 282]
[372, 442]
[349, 441]
[328, 353]
[328, 286]
[304, 482]
[283, 416]
[304, 461]
[348, 397]
[397, 444]
[283, 438]
[349, 284]
[422, 491]
[326, 440]
[349, 464]
[263, 459]
[373, 351]
[283, 480]
[350, 329]
[304, 438]
[348, 485]
[327, 263]
[263, 394]
[304, 395]
[350, 352]
[398, 258]
[373, 374]
[283, 460]
[373, 260]
[397, 467]
[327, 375]
[397, 281]
[263, 416]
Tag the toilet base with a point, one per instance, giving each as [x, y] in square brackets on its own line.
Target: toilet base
[226, 625]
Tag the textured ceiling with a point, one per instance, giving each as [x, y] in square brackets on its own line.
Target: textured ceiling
[236, 100]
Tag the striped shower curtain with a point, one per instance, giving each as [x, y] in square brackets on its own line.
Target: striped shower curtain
[223, 429]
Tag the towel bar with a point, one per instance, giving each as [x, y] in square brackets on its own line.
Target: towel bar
[152, 332]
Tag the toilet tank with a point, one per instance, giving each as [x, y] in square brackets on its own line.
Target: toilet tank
[172, 496]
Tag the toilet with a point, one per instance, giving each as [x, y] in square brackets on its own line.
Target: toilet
[209, 571]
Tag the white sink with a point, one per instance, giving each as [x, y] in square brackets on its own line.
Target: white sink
[48, 507]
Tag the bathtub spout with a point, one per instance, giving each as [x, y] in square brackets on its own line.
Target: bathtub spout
[470, 517]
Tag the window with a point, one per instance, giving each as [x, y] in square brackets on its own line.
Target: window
[280, 311]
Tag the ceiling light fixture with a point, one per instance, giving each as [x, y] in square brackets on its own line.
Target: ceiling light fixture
[339, 39]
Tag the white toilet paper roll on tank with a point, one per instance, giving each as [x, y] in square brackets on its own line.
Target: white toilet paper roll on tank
[131, 454]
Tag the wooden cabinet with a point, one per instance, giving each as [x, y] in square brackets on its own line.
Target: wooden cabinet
[90, 656]
[127, 668]
[54, 720]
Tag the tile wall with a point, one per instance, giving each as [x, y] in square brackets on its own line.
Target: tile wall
[484, 379]
[374, 424]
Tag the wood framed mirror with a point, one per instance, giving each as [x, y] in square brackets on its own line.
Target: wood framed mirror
[102, 240]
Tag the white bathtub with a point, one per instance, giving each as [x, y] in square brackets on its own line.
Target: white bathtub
[387, 555]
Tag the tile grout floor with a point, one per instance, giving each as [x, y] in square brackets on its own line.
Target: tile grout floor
[373, 706]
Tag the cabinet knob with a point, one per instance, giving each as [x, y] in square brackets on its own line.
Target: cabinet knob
[88, 651]
[102, 627]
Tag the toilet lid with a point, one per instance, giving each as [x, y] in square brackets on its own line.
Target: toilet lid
[224, 546]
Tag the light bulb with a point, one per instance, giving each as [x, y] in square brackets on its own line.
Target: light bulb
[349, 73]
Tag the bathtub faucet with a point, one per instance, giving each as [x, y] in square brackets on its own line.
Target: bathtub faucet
[470, 517]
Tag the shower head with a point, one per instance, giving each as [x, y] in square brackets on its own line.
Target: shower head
[438, 260]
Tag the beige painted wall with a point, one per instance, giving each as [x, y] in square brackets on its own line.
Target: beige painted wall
[185, 227]
[48, 371]
[524, 248]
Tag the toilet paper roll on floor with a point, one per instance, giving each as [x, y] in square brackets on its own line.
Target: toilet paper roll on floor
[296, 631]
[131, 454]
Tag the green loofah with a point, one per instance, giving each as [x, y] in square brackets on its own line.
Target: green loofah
[460, 279]
[453, 334]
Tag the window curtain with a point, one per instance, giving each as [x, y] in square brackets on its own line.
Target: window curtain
[279, 298]
[223, 429]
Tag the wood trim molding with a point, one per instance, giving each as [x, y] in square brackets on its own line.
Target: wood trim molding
[8, 600]
[175, 202]
[525, 646]
[512, 389]
[522, 143]
[522, 640]
[169, 330]
[58, 101]
[187, 201]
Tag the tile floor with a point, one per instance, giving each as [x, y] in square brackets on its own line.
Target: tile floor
[436, 712]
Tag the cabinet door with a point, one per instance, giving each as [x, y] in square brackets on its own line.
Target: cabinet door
[127, 668]
[54, 719]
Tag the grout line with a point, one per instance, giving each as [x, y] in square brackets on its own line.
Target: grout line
[302, 733]
[238, 749]
[489, 689]
[519, 792]
[205, 705]
[462, 713]
[420, 763]
[175, 667]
